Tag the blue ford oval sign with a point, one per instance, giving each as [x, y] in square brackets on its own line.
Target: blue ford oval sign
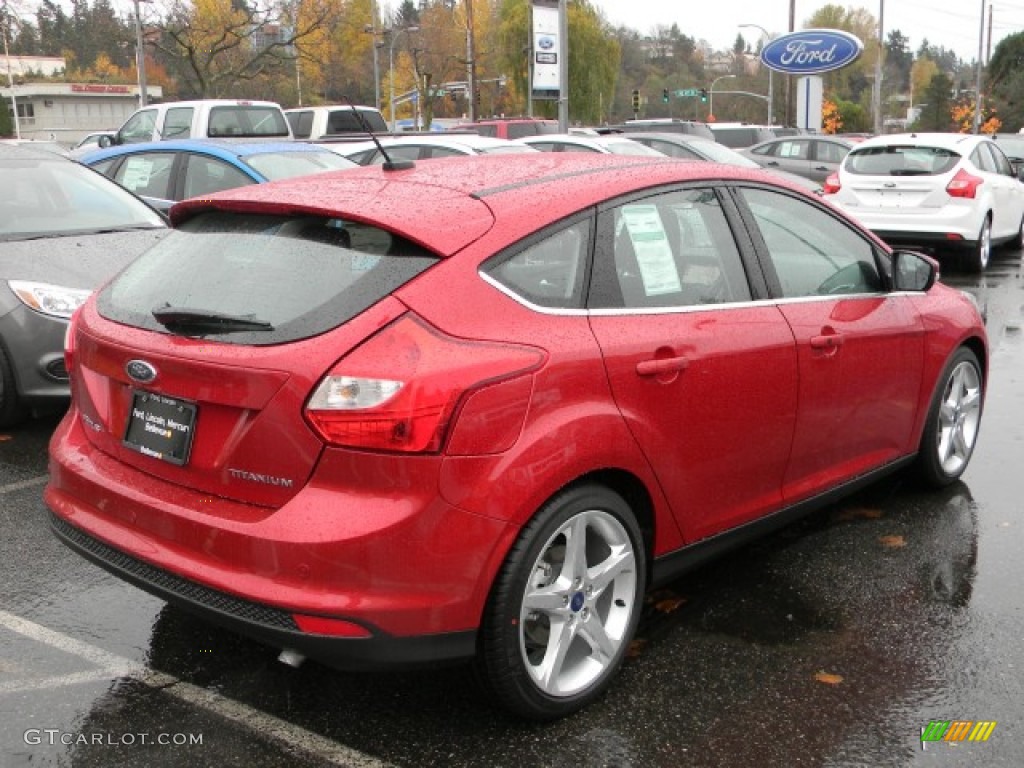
[811, 51]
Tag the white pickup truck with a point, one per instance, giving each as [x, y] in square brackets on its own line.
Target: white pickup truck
[203, 119]
[313, 123]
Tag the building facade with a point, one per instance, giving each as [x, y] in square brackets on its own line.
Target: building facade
[64, 112]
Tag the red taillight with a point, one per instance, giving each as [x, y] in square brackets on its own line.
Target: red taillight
[964, 185]
[399, 389]
[831, 185]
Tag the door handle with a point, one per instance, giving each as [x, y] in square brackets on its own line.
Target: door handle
[827, 341]
[661, 365]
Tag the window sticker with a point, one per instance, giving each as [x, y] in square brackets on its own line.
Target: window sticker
[136, 174]
[653, 251]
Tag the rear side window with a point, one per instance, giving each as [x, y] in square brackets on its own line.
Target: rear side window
[347, 121]
[549, 272]
[178, 123]
[301, 123]
[897, 160]
[300, 276]
[247, 120]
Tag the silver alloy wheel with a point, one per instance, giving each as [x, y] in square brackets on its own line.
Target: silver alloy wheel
[984, 245]
[959, 417]
[578, 603]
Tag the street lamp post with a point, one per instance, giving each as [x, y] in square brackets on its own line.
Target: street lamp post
[711, 92]
[771, 94]
[372, 30]
[394, 33]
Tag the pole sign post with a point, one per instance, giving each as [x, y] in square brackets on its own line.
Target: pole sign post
[808, 53]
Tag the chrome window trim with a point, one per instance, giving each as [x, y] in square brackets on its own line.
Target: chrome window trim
[614, 311]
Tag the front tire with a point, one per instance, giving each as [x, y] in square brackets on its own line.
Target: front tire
[954, 418]
[565, 605]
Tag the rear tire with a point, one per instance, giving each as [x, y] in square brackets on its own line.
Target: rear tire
[954, 417]
[12, 411]
[565, 605]
[977, 259]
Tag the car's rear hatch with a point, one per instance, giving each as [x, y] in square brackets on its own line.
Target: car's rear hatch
[194, 365]
[903, 178]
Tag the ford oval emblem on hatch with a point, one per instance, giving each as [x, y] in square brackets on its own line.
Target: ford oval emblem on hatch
[140, 370]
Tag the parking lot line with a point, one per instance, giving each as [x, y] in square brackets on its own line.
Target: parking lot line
[23, 484]
[112, 665]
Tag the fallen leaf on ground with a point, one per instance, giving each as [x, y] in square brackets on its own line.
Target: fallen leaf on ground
[669, 604]
[828, 678]
[636, 648]
[859, 513]
[893, 542]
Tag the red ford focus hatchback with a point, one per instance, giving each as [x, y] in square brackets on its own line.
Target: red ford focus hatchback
[478, 407]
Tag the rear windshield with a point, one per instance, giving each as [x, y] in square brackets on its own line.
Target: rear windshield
[295, 277]
[247, 120]
[896, 160]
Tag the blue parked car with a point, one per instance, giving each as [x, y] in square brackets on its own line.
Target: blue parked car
[164, 172]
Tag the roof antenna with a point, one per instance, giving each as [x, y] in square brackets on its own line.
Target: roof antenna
[389, 164]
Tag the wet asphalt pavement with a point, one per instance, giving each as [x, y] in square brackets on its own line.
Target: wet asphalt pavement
[831, 643]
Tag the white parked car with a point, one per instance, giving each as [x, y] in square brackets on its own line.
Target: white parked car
[423, 147]
[571, 142]
[951, 192]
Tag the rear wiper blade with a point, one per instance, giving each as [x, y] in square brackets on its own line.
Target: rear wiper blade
[207, 320]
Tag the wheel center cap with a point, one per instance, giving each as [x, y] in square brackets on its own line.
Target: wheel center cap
[577, 602]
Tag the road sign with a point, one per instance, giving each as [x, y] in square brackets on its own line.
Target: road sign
[687, 92]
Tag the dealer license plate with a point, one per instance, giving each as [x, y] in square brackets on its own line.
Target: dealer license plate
[161, 427]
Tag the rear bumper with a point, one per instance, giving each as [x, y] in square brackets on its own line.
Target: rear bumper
[266, 624]
[949, 226]
[360, 545]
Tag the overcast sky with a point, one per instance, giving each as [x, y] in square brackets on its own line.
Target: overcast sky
[954, 24]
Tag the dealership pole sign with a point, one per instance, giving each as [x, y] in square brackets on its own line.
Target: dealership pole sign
[811, 51]
[547, 50]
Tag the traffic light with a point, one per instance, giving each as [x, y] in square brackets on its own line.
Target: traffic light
[636, 100]
[704, 95]
[664, 95]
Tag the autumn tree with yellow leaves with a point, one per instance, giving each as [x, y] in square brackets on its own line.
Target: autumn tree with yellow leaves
[225, 48]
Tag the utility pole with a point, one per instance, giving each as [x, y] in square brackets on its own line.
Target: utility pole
[10, 76]
[470, 64]
[876, 94]
[977, 85]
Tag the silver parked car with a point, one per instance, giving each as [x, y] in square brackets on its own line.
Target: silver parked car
[814, 157]
[64, 230]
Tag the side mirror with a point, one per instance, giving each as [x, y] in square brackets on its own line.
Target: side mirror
[104, 141]
[913, 271]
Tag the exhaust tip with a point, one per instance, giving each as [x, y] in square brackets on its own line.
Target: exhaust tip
[291, 657]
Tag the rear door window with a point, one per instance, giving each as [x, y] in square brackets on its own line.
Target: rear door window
[147, 174]
[295, 277]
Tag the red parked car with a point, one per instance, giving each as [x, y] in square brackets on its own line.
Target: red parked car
[476, 408]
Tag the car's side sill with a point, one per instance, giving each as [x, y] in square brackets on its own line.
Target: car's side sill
[675, 564]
